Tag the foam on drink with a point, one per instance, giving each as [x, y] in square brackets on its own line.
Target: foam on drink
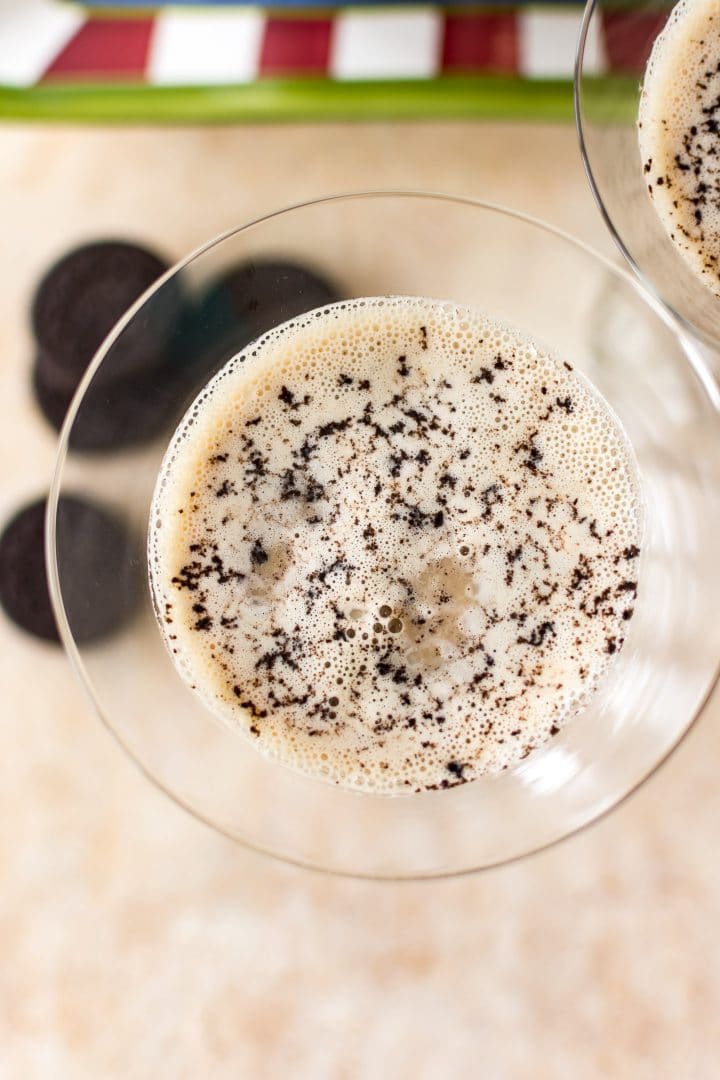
[395, 544]
[679, 133]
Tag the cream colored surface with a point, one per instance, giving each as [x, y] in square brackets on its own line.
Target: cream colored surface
[134, 942]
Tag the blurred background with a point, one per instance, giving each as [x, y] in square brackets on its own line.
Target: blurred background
[135, 942]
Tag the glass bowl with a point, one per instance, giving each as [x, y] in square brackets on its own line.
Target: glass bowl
[519, 272]
[606, 110]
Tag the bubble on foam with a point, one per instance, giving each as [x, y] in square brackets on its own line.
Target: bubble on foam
[679, 135]
[398, 569]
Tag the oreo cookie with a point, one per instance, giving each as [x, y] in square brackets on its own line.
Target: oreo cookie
[81, 298]
[248, 300]
[77, 304]
[125, 413]
[96, 570]
[52, 394]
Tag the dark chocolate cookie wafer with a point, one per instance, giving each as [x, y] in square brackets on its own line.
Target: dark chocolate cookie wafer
[140, 377]
[248, 300]
[81, 298]
[112, 416]
[52, 394]
[96, 555]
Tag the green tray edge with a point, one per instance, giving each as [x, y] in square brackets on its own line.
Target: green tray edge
[279, 100]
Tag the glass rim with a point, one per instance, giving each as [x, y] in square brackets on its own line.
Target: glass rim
[689, 328]
[667, 316]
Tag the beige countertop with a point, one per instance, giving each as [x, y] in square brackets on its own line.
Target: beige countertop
[136, 943]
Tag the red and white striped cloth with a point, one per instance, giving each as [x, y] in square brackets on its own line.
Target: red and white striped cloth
[43, 40]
